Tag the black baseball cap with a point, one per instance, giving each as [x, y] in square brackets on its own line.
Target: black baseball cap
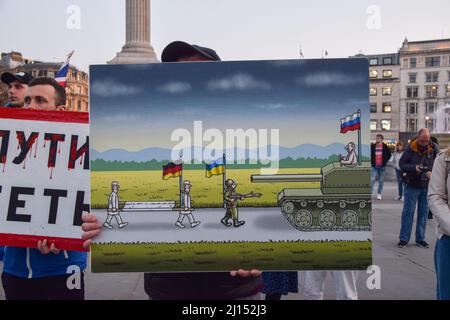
[22, 77]
[178, 49]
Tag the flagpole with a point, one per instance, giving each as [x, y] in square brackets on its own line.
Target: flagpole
[224, 178]
[181, 182]
[359, 139]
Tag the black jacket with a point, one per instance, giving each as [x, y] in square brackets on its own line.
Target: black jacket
[386, 154]
[200, 286]
[413, 157]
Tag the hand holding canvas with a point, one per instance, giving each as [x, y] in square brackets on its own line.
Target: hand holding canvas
[91, 229]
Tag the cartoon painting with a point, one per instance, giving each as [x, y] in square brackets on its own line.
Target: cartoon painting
[261, 164]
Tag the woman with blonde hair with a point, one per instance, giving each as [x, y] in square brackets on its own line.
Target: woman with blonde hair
[439, 203]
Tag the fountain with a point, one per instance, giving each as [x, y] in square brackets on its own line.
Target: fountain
[442, 128]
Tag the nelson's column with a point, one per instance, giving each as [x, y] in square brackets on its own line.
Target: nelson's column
[137, 48]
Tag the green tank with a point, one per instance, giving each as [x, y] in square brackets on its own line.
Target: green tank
[342, 203]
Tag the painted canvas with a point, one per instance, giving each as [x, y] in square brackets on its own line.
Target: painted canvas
[216, 166]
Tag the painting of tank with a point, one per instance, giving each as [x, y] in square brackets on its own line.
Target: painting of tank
[218, 166]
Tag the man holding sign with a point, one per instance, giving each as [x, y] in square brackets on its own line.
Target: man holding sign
[45, 273]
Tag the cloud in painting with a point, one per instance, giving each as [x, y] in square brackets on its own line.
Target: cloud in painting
[175, 87]
[240, 81]
[111, 88]
[271, 106]
[325, 79]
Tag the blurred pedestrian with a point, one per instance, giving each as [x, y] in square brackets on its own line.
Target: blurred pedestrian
[417, 165]
[344, 282]
[277, 284]
[439, 201]
[380, 155]
[430, 213]
[399, 149]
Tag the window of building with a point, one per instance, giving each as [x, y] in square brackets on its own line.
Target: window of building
[412, 77]
[411, 125]
[413, 63]
[373, 74]
[373, 108]
[79, 106]
[412, 92]
[386, 125]
[431, 91]
[387, 91]
[387, 107]
[432, 76]
[405, 63]
[449, 75]
[42, 73]
[430, 123]
[69, 105]
[373, 125]
[387, 73]
[430, 107]
[387, 60]
[373, 91]
[373, 61]
[411, 107]
[432, 62]
[447, 90]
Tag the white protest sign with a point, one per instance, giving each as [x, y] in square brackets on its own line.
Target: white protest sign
[44, 177]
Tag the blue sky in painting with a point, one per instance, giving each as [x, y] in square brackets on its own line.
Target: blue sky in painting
[138, 106]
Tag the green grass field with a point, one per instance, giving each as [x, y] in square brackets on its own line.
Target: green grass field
[210, 256]
[205, 192]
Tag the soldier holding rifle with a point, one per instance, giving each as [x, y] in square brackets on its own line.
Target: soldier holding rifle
[231, 201]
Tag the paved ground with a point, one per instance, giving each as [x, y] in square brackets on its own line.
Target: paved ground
[261, 224]
[405, 273]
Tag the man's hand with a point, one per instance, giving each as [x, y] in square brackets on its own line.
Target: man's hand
[44, 249]
[428, 175]
[91, 228]
[245, 273]
[418, 169]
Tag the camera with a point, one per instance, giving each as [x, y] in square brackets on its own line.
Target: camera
[424, 168]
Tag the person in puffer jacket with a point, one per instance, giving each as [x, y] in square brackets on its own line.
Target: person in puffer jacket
[44, 273]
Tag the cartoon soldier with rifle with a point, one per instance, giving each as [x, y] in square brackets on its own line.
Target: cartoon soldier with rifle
[231, 198]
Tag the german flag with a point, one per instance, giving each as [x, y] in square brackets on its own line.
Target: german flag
[172, 170]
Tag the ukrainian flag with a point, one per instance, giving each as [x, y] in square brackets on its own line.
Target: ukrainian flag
[215, 168]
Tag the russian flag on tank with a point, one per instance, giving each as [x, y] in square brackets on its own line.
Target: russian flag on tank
[61, 75]
[351, 123]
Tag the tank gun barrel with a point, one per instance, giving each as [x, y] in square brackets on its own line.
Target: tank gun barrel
[286, 178]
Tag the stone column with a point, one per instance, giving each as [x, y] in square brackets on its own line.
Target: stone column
[137, 48]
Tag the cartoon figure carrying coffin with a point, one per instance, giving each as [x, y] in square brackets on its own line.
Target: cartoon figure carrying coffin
[113, 208]
[186, 209]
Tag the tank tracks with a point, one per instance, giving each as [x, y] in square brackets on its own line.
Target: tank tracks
[329, 215]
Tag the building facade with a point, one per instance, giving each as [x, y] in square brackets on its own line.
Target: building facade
[425, 84]
[384, 95]
[77, 85]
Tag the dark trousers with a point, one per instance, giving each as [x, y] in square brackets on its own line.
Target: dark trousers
[442, 266]
[47, 288]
